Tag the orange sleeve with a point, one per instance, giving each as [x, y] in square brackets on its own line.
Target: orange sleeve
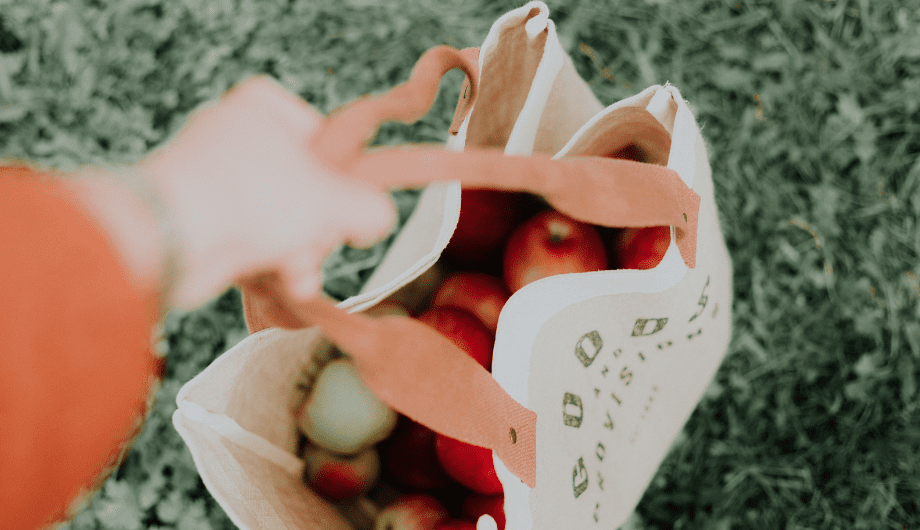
[75, 351]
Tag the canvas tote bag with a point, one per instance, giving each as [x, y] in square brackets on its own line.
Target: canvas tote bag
[563, 344]
[622, 356]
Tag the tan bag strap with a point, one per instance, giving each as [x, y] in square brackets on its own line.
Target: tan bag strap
[596, 190]
[410, 366]
[343, 136]
[420, 373]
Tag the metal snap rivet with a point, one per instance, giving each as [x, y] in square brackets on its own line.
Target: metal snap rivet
[513, 436]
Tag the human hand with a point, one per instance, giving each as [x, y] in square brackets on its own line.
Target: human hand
[247, 196]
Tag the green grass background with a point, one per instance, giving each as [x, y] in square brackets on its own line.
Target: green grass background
[811, 112]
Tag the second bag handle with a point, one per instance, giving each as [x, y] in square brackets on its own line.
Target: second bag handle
[342, 137]
[423, 375]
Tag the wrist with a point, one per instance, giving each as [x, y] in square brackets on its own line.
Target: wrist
[138, 223]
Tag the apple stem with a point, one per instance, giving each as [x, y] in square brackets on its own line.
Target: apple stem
[558, 232]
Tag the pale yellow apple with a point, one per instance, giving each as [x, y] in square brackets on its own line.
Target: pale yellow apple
[342, 414]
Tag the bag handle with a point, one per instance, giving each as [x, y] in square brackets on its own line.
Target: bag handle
[420, 373]
[624, 193]
[342, 137]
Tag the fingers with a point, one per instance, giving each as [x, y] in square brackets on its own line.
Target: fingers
[262, 93]
[367, 217]
[301, 273]
[358, 216]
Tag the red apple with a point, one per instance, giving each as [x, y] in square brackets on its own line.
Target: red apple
[338, 477]
[641, 248]
[451, 496]
[476, 505]
[455, 524]
[464, 330]
[487, 217]
[412, 512]
[481, 294]
[470, 465]
[410, 459]
[551, 243]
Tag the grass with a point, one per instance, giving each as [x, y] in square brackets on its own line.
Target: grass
[811, 112]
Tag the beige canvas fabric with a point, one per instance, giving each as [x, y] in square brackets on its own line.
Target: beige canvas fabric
[531, 99]
[235, 417]
[611, 362]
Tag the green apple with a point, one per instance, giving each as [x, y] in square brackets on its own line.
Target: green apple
[342, 414]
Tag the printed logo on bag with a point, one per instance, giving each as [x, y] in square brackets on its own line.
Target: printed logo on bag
[619, 366]
[627, 371]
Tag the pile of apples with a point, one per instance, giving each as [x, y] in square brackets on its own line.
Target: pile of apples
[356, 447]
